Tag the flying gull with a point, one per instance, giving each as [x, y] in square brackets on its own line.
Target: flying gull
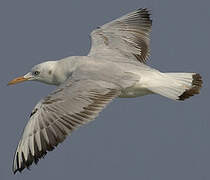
[115, 67]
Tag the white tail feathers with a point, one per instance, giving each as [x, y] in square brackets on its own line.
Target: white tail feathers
[177, 86]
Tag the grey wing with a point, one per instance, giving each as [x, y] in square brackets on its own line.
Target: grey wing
[57, 115]
[125, 37]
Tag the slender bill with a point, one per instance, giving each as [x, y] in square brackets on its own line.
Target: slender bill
[18, 80]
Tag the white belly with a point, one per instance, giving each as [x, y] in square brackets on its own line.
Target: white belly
[140, 88]
[134, 91]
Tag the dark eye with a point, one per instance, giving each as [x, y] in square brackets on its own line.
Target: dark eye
[36, 73]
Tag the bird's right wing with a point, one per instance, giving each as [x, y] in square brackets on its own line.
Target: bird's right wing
[75, 103]
[125, 37]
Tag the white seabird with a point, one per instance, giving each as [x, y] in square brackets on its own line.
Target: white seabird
[114, 67]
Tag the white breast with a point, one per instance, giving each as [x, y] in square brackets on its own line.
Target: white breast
[134, 91]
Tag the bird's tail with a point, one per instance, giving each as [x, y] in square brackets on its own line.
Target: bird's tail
[177, 86]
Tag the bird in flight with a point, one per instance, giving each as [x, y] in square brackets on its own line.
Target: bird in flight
[115, 67]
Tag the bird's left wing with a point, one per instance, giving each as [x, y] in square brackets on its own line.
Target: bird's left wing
[123, 38]
[75, 103]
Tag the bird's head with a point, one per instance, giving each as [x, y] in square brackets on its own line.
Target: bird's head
[44, 72]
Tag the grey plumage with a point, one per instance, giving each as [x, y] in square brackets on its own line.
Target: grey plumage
[127, 36]
[114, 67]
[57, 115]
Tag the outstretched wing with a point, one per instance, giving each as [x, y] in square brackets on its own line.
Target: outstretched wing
[127, 36]
[57, 115]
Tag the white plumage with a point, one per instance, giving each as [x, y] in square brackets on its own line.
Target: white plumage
[114, 67]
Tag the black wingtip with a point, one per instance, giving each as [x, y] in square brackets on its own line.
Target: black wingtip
[15, 171]
[145, 13]
[195, 89]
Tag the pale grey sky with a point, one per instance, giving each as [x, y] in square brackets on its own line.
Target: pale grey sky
[147, 138]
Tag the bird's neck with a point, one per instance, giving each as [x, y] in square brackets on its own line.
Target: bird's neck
[65, 67]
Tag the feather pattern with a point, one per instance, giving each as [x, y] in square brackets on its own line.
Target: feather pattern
[127, 36]
[55, 117]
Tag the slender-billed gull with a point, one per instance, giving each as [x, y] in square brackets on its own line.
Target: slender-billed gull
[115, 67]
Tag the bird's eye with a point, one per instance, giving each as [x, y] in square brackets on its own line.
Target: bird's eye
[36, 73]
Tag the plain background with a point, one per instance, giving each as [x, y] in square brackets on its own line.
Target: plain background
[147, 138]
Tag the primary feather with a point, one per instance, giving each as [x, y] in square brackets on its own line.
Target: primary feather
[128, 36]
[114, 67]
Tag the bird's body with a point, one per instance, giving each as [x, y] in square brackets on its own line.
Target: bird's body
[115, 67]
[129, 76]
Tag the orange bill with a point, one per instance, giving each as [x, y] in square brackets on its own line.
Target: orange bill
[18, 80]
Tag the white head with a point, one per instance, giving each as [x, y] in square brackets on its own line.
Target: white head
[44, 72]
